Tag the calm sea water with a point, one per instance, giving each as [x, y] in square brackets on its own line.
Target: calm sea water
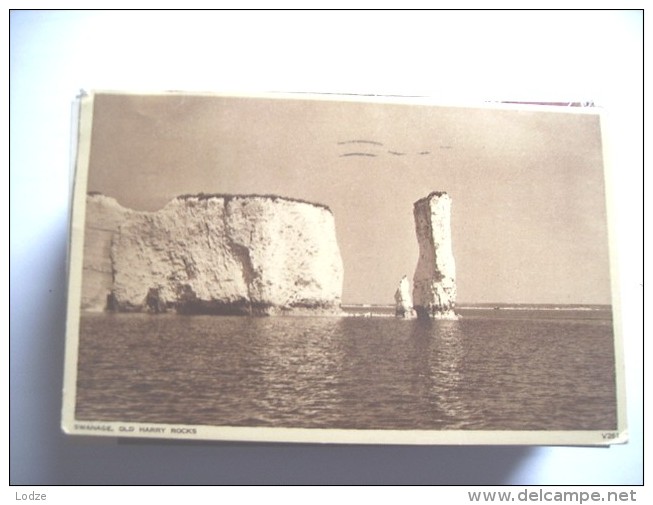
[493, 370]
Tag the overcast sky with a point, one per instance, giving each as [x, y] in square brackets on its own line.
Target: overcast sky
[529, 219]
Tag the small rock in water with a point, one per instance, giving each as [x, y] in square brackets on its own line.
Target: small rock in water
[404, 301]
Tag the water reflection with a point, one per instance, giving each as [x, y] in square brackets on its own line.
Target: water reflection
[300, 369]
[440, 345]
[495, 372]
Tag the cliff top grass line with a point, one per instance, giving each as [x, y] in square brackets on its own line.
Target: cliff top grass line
[431, 195]
[230, 196]
[234, 196]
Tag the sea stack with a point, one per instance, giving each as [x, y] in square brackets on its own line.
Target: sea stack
[404, 300]
[225, 255]
[434, 282]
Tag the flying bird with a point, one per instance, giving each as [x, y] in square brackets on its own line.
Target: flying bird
[373, 142]
[375, 153]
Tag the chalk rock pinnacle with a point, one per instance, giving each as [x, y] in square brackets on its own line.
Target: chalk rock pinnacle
[228, 254]
[404, 300]
[434, 282]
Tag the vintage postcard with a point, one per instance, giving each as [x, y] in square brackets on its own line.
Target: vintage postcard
[305, 268]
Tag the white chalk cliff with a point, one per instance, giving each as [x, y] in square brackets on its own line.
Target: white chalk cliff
[434, 282]
[103, 217]
[228, 254]
[404, 300]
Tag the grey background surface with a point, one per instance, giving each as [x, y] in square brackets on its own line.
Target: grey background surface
[455, 56]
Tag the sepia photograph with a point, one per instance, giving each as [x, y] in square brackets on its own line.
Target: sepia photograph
[345, 269]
